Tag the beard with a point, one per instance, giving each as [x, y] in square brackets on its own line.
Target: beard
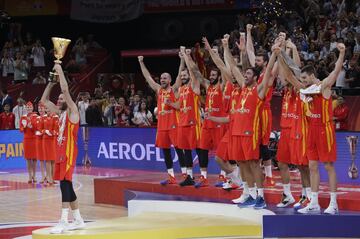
[63, 106]
[214, 82]
[164, 85]
[185, 81]
[258, 69]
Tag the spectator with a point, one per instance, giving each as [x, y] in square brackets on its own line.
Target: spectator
[122, 113]
[143, 117]
[91, 43]
[72, 66]
[19, 110]
[83, 103]
[38, 53]
[7, 118]
[93, 114]
[353, 73]
[5, 98]
[39, 79]
[340, 114]
[109, 112]
[135, 104]
[21, 68]
[7, 64]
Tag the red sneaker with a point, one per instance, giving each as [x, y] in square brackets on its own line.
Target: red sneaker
[170, 180]
[203, 182]
[221, 181]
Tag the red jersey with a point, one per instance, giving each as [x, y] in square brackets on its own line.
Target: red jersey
[269, 93]
[166, 114]
[227, 95]
[66, 145]
[189, 107]
[213, 105]
[234, 101]
[319, 111]
[298, 122]
[7, 120]
[287, 109]
[247, 117]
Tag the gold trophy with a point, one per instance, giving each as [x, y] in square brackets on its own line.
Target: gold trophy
[353, 171]
[60, 46]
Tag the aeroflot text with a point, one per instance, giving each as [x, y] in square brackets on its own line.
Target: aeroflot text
[136, 151]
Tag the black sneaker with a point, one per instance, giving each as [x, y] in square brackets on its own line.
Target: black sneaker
[189, 181]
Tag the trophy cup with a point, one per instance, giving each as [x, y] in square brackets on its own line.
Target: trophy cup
[60, 46]
[353, 171]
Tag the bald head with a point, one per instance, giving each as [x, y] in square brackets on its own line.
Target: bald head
[165, 80]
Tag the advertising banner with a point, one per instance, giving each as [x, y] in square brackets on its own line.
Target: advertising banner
[134, 148]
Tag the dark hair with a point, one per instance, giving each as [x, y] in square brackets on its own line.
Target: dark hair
[308, 69]
[217, 71]
[255, 71]
[264, 55]
[4, 91]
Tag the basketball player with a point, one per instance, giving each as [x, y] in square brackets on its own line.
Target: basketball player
[167, 125]
[66, 151]
[228, 167]
[321, 145]
[245, 140]
[189, 116]
[260, 61]
[211, 132]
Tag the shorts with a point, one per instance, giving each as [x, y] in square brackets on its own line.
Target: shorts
[321, 143]
[298, 152]
[166, 138]
[222, 150]
[243, 148]
[283, 152]
[265, 124]
[62, 172]
[188, 137]
[210, 138]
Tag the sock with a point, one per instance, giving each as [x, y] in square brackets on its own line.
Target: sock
[64, 214]
[222, 172]
[189, 172]
[287, 191]
[252, 192]
[308, 192]
[203, 173]
[314, 198]
[303, 192]
[234, 178]
[183, 170]
[260, 192]
[246, 188]
[268, 172]
[76, 214]
[333, 198]
[171, 172]
[237, 170]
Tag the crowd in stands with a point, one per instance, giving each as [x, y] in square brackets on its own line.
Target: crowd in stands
[315, 28]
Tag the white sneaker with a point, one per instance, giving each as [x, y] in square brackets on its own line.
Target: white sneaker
[76, 224]
[332, 209]
[286, 200]
[241, 199]
[310, 209]
[59, 228]
[229, 185]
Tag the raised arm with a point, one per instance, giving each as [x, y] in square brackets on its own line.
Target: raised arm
[287, 73]
[295, 53]
[225, 72]
[74, 116]
[46, 101]
[331, 79]
[250, 45]
[155, 86]
[268, 77]
[177, 83]
[229, 59]
[194, 72]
